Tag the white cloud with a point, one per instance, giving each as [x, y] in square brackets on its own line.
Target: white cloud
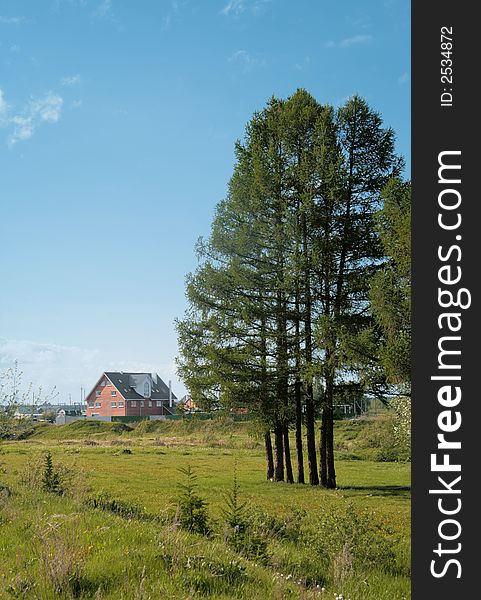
[357, 39]
[97, 9]
[103, 9]
[360, 22]
[23, 129]
[51, 365]
[80, 3]
[170, 16]
[233, 7]
[248, 62]
[70, 367]
[46, 109]
[3, 110]
[404, 78]
[30, 353]
[70, 80]
[12, 20]
[237, 7]
[350, 41]
[76, 104]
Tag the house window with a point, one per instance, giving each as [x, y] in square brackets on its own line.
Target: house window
[113, 404]
[113, 393]
[98, 392]
[133, 403]
[146, 389]
[121, 404]
[159, 402]
[97, 405]
[142, 403]
[150, 402]
[102, 383]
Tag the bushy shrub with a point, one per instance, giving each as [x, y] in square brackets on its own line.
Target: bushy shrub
[402, 426]
[15, 429]
[349, 540]
[330, 549]
[57, 477]
[381, 439]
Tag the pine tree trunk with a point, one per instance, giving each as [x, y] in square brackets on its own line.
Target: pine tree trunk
[287, 454]
[269, 456]
[299, 450]
[264, 397]
[279, 454]
[323, 451]
[298, 394]
[282, 390]
[331, 470]
[311, 441]
[328, 475]
[310, 413]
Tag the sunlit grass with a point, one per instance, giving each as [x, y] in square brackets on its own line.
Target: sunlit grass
[130, 559]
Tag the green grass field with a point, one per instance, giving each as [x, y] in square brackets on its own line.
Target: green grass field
[313, 543]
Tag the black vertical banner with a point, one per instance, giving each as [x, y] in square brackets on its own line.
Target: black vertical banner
[446, 320]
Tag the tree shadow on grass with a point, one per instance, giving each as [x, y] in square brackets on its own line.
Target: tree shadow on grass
[400, 491]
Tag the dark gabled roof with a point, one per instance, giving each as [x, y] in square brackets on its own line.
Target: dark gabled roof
[70, 412]
[121, 380]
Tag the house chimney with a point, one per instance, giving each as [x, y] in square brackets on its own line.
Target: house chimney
[170, 393]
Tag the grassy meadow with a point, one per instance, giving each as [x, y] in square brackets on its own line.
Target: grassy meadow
[116, 531]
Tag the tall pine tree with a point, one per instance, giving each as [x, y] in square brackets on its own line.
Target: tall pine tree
[284, 277]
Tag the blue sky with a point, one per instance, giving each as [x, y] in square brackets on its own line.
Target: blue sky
[117, 127]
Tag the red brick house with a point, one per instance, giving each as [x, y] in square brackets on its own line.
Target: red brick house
[188, 404]
[119, 394]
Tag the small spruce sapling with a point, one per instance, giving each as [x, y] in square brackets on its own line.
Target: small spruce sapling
[192, 508]
[234, 510]
[239, 533]
[51, 478]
